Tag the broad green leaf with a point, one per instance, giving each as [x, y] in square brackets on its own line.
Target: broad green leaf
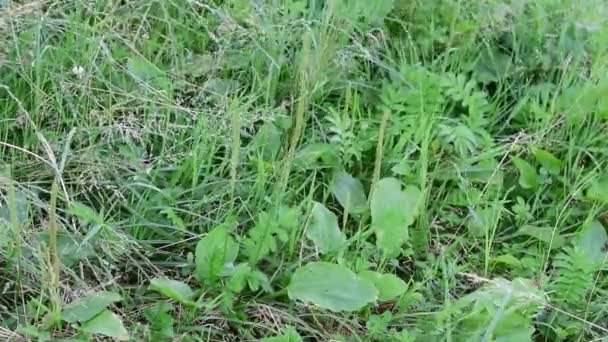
[173, 289]
[389, 286]
[544, 234]
[523, 293]
[331, 286]
[324, 230]
[480, 221]
[107, 324]
[598, 190]
[592, 240]
[514, 327]
[221, 87]
[349, 192]
[548, 161]
[70, 247]
[198, 65]
[214, 253]
[21, 206]
[492, 66]
[290, 335]
[393, 211]
[143, 70]
[507, 259]
[267, 142]
[87, 307]
[528, 178]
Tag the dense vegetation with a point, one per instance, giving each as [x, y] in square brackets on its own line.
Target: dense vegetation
[304, 170]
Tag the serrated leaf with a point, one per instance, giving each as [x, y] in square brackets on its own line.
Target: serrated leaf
[85, 213]
[389, 286]
[544, 234]
[324, 230]
[270, 231]
[85, 308]
[331, 286]
[593, 241]
[173, 289]
[548, 161]
[214, 253]
[316, 156]
[598, 190]
[107, 324]
[528, 178]
[161, 321]
[393, 211]
[349, 192]
[238, 278]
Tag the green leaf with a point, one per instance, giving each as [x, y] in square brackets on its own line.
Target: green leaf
[143, 70]
[509, 260]
[331, 286]
[317, 155]
[107, 324]
[214, 253]
[198, 65]
[592, 241]
[85, 213]
[362, 14]
[598, 190]
[528, 179]
[324, 230]
[70, 247]
[548, 161]
[393, 211]
[270, 231]
[87, 307]
[257, 279]
[349, 192]
[238, 278]
[161, 321]
[290, 335]
[514, 327]
[544, 234]
[492, 66]
[173, 289]
[267, 142]
[389, 286]
[481, 220]
[221, 87]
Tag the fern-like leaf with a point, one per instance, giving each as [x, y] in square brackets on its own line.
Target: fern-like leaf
[270, 231]
[572, 279]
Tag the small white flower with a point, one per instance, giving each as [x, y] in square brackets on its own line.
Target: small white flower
[78, 71]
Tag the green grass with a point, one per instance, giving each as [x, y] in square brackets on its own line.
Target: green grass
[304, 170]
